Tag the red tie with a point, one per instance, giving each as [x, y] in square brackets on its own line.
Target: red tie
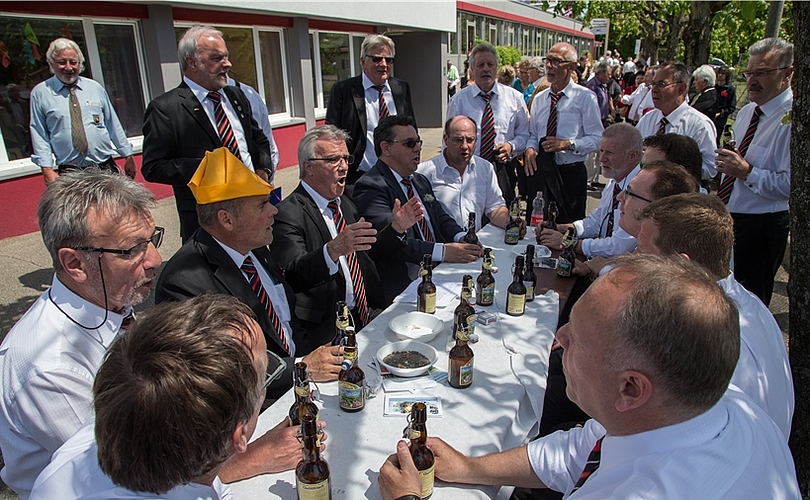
[383, 106]
[224, 125]
[727, 185]
[613, 207]
[128, 321]
[424, 227]
[358, 287]
[662, 126]
[487, 148]
[256, 284]
[551, 127]
[591, 465]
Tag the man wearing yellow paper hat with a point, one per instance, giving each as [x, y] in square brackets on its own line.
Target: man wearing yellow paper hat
[228, 254]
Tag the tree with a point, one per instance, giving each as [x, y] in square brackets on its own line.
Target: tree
[698, 33]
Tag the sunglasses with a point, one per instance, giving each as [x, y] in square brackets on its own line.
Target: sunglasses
[379, 59]
[408, 143]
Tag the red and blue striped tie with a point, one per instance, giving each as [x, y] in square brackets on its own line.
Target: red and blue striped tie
[424, 227]
[383, 106]
[727, 185]
[551, 127]
[487, 148]
[591, 465]
[256, 284]
[224, 128]
[358, 286]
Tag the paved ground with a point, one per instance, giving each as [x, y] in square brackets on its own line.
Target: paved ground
[25, 267]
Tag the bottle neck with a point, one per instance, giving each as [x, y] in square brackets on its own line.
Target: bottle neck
[311, 449]
[418, 435]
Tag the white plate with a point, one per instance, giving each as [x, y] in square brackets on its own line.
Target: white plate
[540, 252]
[407, 345]
[416, 325]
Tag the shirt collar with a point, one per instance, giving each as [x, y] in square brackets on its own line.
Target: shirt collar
[319, 200]
[202, 93]
[684, 107]
[443, 167]
[783, 99]
[59, 85]
[235, 256]
[86, 313]
[493, 91]
[367, 84]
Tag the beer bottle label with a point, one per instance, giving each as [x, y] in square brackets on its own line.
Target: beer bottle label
[529, 291]
[488, 294]
[349, 355]
[351, 396]
[564, 267]
[430, 303]
[465, 376]
[515, 303]
[512, 235]
[413, 434]
[427, 481]
[315, 491]
[302, 391]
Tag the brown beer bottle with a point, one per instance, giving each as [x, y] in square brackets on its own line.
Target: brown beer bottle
[551, 220]
[529, 278]
[565, 262]
[460, 360]
[511, 234]
[470, 237]
[312, 472]
[464, 312]
[342, 322]
[422, 456]
[485, 284]
[351, 378]
[728, 138]
[426, 291]
[303, 404]
[516, 293]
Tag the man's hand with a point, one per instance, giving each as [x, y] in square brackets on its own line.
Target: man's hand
[449, 463]
[357, 237]
[398, 475]
[49, 175]
[504, 151]
[731, 163]
[551, 238]
[554, 145]
[406, 215]
[530, 161]
[461, 252]
[263, 175]
[129, 167]
[522, 228]
[324, 362]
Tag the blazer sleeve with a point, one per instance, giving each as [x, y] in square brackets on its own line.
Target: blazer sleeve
[298, 250]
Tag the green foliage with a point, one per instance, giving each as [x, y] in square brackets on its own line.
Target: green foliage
[507, 55]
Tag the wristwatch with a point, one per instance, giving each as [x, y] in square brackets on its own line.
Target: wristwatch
[409, 497]
[571, 145]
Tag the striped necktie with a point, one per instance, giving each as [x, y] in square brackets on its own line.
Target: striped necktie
[662, 126]
[424, 227]
[487, 148]
[551, 128]
[614, 205]
[591, 465]
[382, 105]
[358, 286]
[127, 322]
[256, 284]
[727, 184]
[224, 128]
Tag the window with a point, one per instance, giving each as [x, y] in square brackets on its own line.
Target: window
[122, 79]
[334, 61]
[273, 72]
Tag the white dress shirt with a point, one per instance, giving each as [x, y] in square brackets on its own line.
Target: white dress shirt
[47, 365]
[373, 118]
[208, 105]
[275, 290]
[731, 451]
[342, 264]
[578, 119]
[262, 116]
[640, 99]
[477, 191]
[767, 188]
[508, 111]
[592, 229]
[688, 121]
[763, 370]
[74, 473]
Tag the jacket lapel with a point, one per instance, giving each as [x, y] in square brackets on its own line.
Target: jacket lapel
[359, 97]
[195, 109]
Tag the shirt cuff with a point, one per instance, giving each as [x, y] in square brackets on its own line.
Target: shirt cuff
[579, 227]
[330, 265]
[438, 252]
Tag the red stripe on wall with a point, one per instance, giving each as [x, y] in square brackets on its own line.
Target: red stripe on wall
[499, 14]
[219, 17]
[103, 9]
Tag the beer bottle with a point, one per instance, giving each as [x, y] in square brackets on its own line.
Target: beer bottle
[537, 210]
[460, 360]
[312, 472]
[565, 262]
[351, 378]
[341, 322]
[516, 293]
[303, 405]
[529, 278]
[728, 138]
[511, 234]
[551, 220]
[426, 291]
[470, 237]
[464, 312]
[485, 289]
[422, 456]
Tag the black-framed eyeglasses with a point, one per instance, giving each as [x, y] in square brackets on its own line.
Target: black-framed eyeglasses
[556, 61]
[136, 251]
[762, 73]
[408, 143]
[627, 192]
[662, 85]
[379, 59]
[277, 364]
[334, 161]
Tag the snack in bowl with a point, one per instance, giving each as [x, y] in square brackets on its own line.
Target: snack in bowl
[416, 351]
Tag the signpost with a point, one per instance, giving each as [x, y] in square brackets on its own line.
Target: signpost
[601, 26]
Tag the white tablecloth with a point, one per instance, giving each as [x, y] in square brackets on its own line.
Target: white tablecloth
[499, 411]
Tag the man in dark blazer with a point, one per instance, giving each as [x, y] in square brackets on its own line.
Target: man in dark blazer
[398, 147]
[236, 220]
[317, 255]
[181, 125]
[354, 103]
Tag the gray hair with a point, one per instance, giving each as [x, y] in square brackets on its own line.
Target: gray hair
[783, 49]
[680, 73]
[60, 44]
[627, 134]
[187, 46]
[706, 74]
[306, 148]
[64, 209]
[601, 67]
[207, 213]
[372, 42]
[483, 47]
[537, 63]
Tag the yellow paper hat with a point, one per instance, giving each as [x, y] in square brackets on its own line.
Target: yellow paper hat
[221, 176]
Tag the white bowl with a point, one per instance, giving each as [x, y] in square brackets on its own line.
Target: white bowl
[540, 252]
[407, 345]
[416, 326]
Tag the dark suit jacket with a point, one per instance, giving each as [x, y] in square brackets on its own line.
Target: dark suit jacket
[176, 135]
[202, 266]
[374, 195]
[299, 234]
[706, 103]
[347, 110]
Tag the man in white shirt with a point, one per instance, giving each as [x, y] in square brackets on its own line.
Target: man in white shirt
[649, 353]
[176, 402]
[700, 227]
[673, 114]
[500, 114]
[756, 179]
[641, 99]
[462, 182]
[102, 239]
[565, 123]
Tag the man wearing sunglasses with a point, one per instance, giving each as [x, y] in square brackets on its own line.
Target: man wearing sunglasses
[357, 104]
[102, 239]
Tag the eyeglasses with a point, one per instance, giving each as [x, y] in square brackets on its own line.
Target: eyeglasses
[762, 73]
[662, 85]
[556, 61]
[334, 161]
[627, 192]
[458, 141]
[379, 59]
[280, 366]
[137, 252]
[408, 143]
